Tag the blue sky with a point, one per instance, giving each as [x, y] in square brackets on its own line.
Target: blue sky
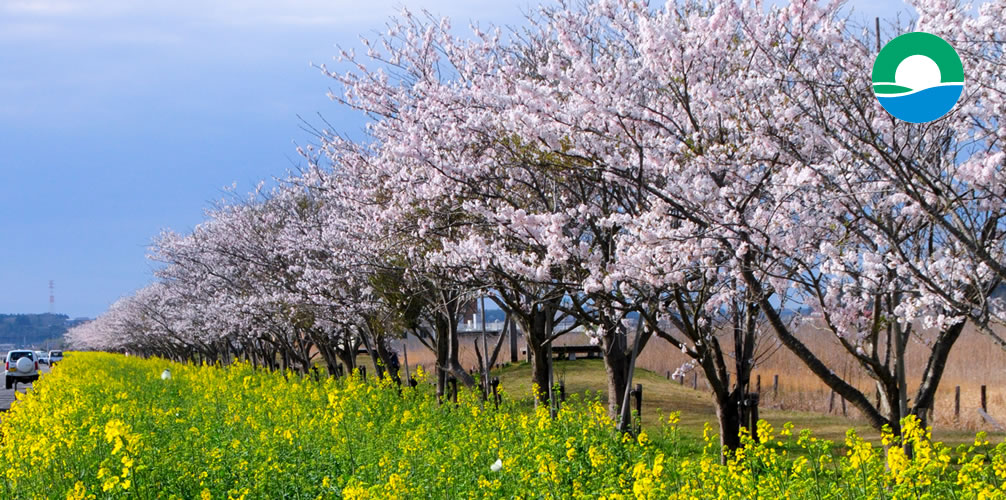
[120, 118]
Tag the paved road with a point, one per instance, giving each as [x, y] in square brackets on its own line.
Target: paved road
[7, 397]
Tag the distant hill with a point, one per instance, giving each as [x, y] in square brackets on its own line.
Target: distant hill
[39, 330]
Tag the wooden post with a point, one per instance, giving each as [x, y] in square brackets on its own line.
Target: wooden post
[454, 390]
[405, 353]
[843, 408]
[496, 395]
[553, 405]
[831, 402]
[484, 382]
[681, 379]
[775, 386]
[758, 384]
[695, 380]
[363, 372]
[562, 391]
[957, 403]
[668, 374]
[639, 407]
[984, 400]
[512, 331]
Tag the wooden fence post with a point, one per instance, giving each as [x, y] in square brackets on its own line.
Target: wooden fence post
[831, 402]
[695, 380]
[775, 386]
[639, 407]
[984, 400]
[758, 384]
[562, 391]
[957, 403]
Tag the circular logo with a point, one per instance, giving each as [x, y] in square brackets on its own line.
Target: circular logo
[918, 77]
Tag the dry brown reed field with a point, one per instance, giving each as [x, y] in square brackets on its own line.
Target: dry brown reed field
[974, 361]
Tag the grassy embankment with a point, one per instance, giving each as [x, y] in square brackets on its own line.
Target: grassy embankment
[662, 396]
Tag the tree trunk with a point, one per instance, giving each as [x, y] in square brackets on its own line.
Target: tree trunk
[454, 362]
[390, 360]
[539, 372]
[728, 415]
[616, 367]
[537, 331]
[254, 357]
[443, 353]
[347, 355]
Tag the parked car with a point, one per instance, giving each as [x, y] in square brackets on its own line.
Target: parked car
[21, 366]
[54, 356]
[41, 357]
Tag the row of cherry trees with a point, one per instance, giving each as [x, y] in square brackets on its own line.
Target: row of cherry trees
[701, 168]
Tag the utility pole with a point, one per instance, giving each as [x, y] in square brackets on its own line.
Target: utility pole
[876, 20]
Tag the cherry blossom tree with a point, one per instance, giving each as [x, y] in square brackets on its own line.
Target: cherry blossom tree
[693, 172]
[893, 235]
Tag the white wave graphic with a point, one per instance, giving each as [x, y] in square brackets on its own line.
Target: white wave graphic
[901, 94]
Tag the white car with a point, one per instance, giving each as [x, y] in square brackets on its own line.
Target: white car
[54, 356]
[21, 366]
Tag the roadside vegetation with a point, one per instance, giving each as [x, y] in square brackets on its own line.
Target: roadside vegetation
[110, 426]
[710, 190]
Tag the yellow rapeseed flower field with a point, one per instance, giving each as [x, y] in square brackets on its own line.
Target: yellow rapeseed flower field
[107, 426]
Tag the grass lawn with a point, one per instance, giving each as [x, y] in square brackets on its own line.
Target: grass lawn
[662, 396]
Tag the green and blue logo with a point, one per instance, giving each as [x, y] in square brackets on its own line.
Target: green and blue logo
[918, 77]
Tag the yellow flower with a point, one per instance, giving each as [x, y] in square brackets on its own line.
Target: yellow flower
[674, 418]
[643, 439]
[897, 461]
[355, 492]
[596, 457]
[110, 483]
[79, 492]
